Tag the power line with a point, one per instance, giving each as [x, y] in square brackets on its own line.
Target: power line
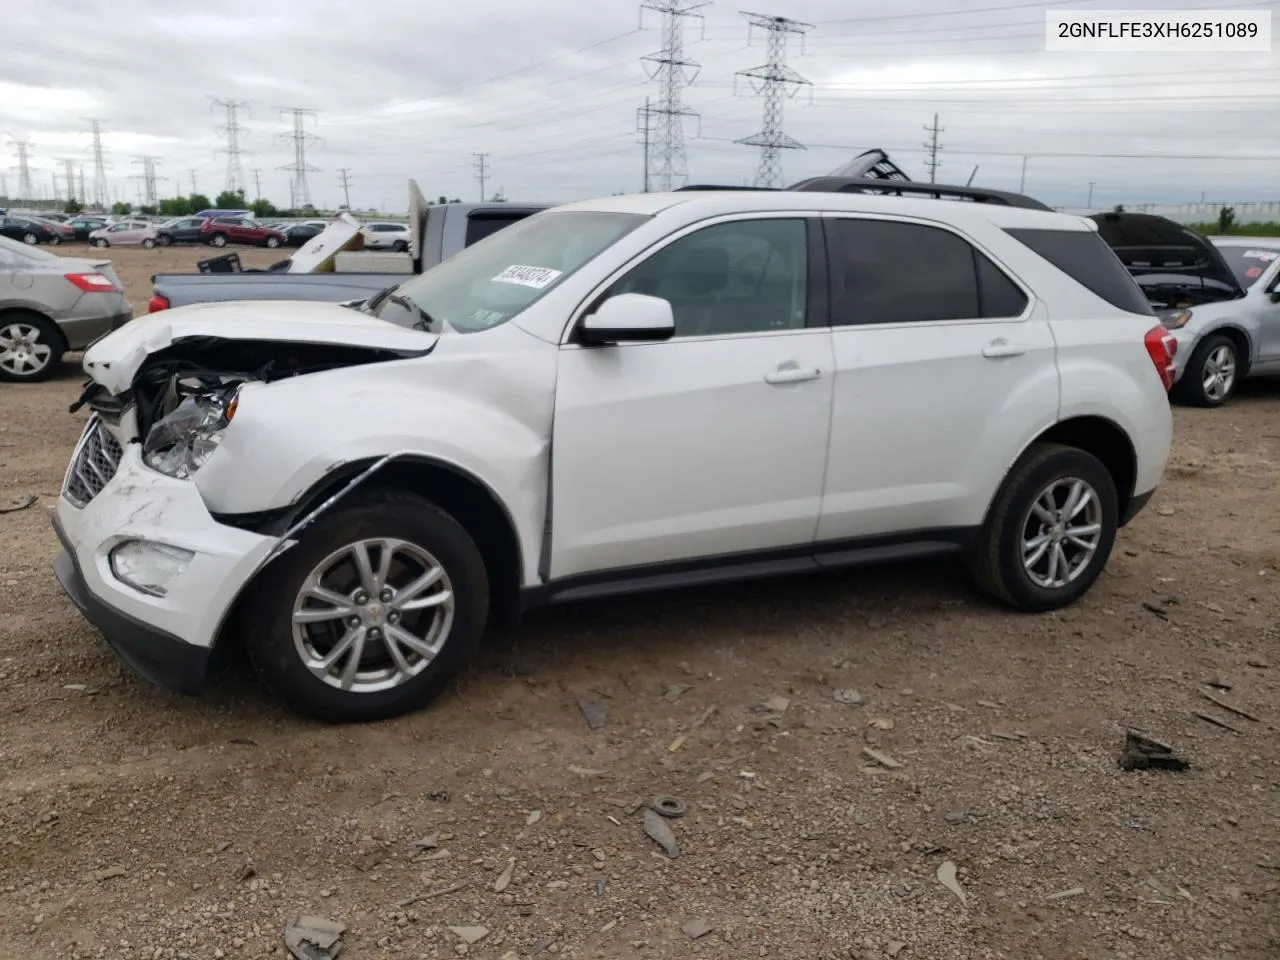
[232, 129]
[933, 147]
[673, 72]
[101, 196]
[481, 170]
[344, 174]
[776, 82]
[299, 192]
[25, 190]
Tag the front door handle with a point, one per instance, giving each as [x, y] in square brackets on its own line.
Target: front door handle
[1000, 347]
[792, 375]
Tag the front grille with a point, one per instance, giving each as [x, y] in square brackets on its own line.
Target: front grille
[94, 465]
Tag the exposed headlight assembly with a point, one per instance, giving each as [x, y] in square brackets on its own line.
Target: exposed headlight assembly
[179, 443]
[1175, 319]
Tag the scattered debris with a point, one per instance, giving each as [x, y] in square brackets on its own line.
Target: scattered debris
[534, 817]
[894, 947]
[313, 938]
[704, 717]
[696, 929]
[881, 723]
[1258, 664]
[223, 847]
[436, 855]
[429, 842]
[676, 744]
[881, 758]
[1158, 611]
[420, 897]
[108, 873]
[594, 712]
[585, 771]
[1165, 511]
[372, 858]
[958, 816]
[676, 691]
[30, 499]
[705, 775]
[1014, 736]
[672, 807]
[1217, 685]
[852, 697]
[1228, 707]
[655, 827]
[1065, 894]
[504, 878]
[1142, 752]
[989, 704]
[244, 741]
[1208, 718]
[247, 872]
[439, 796]
[609, 926]
[470, 935]
[947, 877]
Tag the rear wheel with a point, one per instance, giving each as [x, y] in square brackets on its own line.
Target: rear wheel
[400, 246]
[1050, 530]
[372, 613]
[30, 347]
[101, 242]
[1211, 375]
[273, 242]
[164, 240]
[218, 240]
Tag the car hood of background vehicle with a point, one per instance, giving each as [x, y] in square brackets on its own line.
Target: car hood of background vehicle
[114, 360]
[1162, 255]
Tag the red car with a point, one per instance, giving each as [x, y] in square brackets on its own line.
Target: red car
[219, 231]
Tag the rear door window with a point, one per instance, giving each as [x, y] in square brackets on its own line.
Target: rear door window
[479, 227]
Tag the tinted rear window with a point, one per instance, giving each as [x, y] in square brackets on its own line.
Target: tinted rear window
[1086, 259]
[479, 227]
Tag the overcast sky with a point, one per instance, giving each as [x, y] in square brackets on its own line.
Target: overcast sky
[550, 90]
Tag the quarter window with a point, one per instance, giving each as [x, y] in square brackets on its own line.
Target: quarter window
[747, 276]
[884, 271]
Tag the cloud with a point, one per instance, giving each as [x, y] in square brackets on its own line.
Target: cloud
[403, 89]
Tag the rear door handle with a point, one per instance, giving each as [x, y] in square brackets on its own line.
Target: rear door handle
[792, 375]
[1000, 347]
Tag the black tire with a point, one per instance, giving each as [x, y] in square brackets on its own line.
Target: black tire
[272, 242]
[46, 333]
[56, 240]
[30, 239]
[164, 240]
[400, 246]
[388, 514]
[101, 242]
[218, 240]
[1190, 388]
[997, 563]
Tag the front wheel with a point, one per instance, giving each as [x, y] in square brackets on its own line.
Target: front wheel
[101, 242]
[1050, 530]
[218, 240]
[1211, 375]
[273, 242]
[30, 239]
[377, 608]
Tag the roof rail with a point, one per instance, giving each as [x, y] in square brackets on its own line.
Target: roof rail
[718, 186]
[937, 191]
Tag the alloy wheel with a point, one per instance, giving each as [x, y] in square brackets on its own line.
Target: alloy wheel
[1061, 533]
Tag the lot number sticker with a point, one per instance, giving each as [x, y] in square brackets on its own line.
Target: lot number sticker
[536, 277]
[1266, 256]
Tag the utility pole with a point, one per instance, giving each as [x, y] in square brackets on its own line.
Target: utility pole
[645, 115]
[299, 192]
[25, 190]
[101, 193]
[972, 175]
[933, 147]
[776, 82]
[481, 170]
[257, 183]
[232, 130]
[193, 183]
[673, 71]
[344, 174]
[1022, 184]
[1089, 202]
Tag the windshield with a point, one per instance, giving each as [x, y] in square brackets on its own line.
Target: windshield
[1250, 263]
[487, 284]
[31, 253]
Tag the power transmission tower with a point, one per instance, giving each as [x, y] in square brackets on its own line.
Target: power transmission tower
[193, 182]
[673, 72]
[101, 197]
[69, 165]
[257, 183]
[25, 190]
[644, 117]
[933, 146]
[776, 82]
[80, 182]
[344, 174]
[4, 186]
[232, 130]
[148, 177]
[299, 192]
[481, 169]
[57, 194]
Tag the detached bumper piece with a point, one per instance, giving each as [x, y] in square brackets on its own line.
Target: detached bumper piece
[154, 655]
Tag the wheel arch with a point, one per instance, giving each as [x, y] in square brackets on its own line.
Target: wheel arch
[1239, 336]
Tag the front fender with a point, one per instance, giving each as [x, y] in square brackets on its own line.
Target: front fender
[1205, 322]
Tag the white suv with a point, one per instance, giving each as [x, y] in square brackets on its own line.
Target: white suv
[623, 394]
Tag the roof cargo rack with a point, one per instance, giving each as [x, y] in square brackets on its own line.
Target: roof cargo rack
[938, 191]
[871, 165]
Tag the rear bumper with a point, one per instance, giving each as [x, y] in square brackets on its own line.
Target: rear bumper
[153, 654]
[83, 327]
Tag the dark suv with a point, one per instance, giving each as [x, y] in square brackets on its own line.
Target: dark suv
[184, 230]
[219, 231]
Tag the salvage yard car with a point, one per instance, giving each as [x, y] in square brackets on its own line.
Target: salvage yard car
[1220, 297]
[630, 393]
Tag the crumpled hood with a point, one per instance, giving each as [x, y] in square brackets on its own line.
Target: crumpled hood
[114, 360]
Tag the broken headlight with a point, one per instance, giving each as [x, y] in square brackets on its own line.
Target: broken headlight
[1174, 319]
[179, 443]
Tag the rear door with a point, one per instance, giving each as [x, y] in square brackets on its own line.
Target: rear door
[944, 368]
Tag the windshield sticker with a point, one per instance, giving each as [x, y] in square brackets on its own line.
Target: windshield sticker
[1253, 272]
[536, 277]
[1266, 256]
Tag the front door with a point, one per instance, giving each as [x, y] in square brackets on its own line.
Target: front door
[945, 368]
[708, 444]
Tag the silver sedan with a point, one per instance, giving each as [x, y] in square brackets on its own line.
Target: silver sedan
[51, 304]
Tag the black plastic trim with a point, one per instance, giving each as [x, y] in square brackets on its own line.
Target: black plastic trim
[1135, 506]
[155, 655]
[755, 564]
[818, 306]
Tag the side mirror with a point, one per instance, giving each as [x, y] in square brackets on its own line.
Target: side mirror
[628, 318]
[1275, 295]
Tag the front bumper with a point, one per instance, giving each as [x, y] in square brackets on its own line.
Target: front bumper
[168, 639]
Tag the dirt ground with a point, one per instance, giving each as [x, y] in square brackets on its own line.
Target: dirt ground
[143, 826]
